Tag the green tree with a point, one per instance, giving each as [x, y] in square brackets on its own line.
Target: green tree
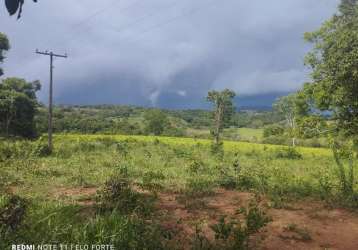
[334, 64]
[334, 86]
[288, 107]
[18, 107]
[4, 46]
[156, 122]
[223, 111]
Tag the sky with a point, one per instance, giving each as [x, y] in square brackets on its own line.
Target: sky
[164, 53]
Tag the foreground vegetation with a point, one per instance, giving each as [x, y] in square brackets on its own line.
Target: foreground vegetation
[104, 189]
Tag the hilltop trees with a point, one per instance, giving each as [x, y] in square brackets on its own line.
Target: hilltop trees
[18, 107]
[223, 111]
[4, 46]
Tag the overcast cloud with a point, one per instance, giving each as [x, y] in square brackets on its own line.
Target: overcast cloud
[164, 53]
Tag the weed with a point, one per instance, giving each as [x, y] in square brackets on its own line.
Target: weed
[303, 234]
[150, 181]
[199, 187]
[200, 242]
[117, 194]
[235, 234]
[41, 149]
[196, 167]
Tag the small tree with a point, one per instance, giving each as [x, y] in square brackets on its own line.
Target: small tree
[223, 111]
[286, 106]
[156, 122]
[292, 107]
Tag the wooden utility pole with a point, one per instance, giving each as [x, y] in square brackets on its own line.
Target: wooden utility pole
[52, 55]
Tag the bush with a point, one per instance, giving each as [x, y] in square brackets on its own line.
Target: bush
[118, 195]
[217, 149]
[12, 212]
[273, 130]
[41, 149]
[198, 187]
[288, 153]
[15, 150]
[230, 179]
[196, 167]
[235, 234]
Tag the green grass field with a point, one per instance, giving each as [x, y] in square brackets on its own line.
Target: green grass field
[62, 192]
[237, 134]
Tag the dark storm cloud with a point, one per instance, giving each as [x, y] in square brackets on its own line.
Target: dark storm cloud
[164, 52]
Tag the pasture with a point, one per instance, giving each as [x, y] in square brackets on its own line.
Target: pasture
[143, 192]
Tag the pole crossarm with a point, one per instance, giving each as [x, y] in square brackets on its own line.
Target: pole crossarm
[46, 53]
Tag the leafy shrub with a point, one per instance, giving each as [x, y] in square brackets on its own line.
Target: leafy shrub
[288, 153]
[217, 149]
[228, 181]
[345, 158]
[246, 182]
[151, 181]
[117, 194]
[256, 218]
[41, 149]
[6, 151]
[273, 130]
[12, 212]
[326, 186]
[198, 187]
[122, 148]
[17, 150]
[235, 234]
[229, 176]
[196, 167]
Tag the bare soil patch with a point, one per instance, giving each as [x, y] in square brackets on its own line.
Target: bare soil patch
[303, 225]
[306, 225]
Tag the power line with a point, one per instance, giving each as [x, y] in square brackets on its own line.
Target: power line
[139, 20]
[95, 14]
[113, 3]
[171, 20]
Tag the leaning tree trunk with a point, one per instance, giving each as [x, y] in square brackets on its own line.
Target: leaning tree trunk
[218, 121]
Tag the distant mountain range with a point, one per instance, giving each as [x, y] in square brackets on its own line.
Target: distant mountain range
[174, 102]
